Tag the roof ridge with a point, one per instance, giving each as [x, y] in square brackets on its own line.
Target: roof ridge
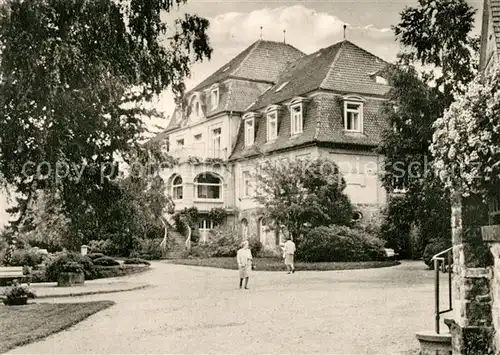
[321, 86]
[334, 61]
[255, 45]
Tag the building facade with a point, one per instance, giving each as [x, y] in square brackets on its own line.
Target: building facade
[274, 101]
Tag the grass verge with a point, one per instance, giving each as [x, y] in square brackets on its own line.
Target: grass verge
[274, 264]
[21, 325]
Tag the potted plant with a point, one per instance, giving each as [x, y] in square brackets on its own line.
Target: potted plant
[17, 294]
[71, 273]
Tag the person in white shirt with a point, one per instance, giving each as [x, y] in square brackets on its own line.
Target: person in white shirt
[289, 252]
[244, 259]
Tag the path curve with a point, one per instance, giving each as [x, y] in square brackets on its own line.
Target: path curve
[201, 310]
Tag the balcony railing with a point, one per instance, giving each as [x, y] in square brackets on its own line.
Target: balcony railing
[186, 153]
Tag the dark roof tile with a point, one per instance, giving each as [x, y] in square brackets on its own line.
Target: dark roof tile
[262, 61]
[341, 67]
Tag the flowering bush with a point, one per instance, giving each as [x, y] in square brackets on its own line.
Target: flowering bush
[466, 140]
[18, 291]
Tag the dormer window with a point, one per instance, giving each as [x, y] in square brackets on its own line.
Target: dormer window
[272, 122]
[381, 80]
[214, 96]
[297, 119]
[272, 126]
[297, 115]
[353, 114]
[196, 109]
[249, 131]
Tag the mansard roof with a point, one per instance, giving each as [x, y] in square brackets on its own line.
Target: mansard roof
[244, 78]
[327, 78]
[342, 67]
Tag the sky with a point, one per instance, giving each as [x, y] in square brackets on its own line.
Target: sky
[310, 25]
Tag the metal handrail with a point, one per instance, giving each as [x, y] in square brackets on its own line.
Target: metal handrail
[437, 259]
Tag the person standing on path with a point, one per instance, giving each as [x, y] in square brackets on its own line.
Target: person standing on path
[289, 252]
[244, 259]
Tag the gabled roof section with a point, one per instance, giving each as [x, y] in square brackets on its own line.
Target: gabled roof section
[262, 61]
[342, 67]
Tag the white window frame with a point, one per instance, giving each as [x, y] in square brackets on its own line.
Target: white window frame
[359, 111]
[214, 97]
[179, 140]
[177, 187]
[196, 108]
[246, 180]
[216, 139]
[272, 117]
[249, 131]
[296, 119]
[205, 225]
[197, 185]
[198, 137]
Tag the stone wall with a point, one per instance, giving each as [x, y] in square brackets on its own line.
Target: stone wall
[473, 277]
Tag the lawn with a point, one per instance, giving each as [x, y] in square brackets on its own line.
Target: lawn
[276, 264]
[20, 325]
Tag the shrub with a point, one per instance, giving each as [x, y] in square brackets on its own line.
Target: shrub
[65, 261]
[101, 246]
[148, 249]
[432, 248]
[255, 246]
[136, 261]
[26, 257]
[199, 251]
[106, 261]
[38, 276]
[339, 243]
[224, 242]
[94, 256]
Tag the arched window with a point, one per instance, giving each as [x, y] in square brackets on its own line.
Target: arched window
[177, 188]
[208, 186]
[244, 229]
[196, 109]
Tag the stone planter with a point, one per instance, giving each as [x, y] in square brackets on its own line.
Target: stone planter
[434, 344]
[18, 301]
[66, 279]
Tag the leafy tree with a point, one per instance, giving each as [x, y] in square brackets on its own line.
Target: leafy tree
[301, 195]
[437, 35]
[73, 76]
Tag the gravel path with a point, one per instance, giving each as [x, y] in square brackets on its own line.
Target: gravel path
[201, 310]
